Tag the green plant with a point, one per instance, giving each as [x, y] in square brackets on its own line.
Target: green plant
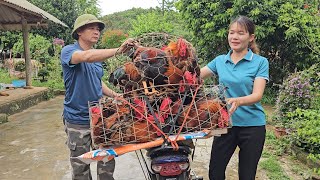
[44, 73]
[151, 22]
[57, 45]
[294, 93]
[315, 158]
[39, 46]
[281, 148]
[4, 76]
[20, 66]
[273, 168]
[276, 146]
[306, 127]
[306, 134]
[53, 69]
[269, 96]
[287, 33]
[299, 90]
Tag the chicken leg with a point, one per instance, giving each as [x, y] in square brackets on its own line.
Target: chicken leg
[146, 91]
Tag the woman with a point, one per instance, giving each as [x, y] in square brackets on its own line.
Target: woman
[245, 73]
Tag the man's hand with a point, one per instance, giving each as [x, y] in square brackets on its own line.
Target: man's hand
[127, 45]
[117, 95]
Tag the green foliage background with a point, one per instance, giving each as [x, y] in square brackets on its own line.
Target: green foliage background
[288, 33]
[67, 11]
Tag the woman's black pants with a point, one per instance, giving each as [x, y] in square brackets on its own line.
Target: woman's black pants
[250, 141]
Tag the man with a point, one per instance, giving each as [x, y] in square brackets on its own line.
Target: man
[82, 73]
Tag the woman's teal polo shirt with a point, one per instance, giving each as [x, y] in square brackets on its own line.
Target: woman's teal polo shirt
[239, 78]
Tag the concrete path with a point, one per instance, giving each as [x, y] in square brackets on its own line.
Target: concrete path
[32, 147]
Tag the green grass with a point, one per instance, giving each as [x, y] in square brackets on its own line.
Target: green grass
[276, 146]
[54, 82]
[4, 77]
[273, 169]
[273, 148]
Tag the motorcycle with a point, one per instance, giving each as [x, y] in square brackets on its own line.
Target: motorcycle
[167, 163]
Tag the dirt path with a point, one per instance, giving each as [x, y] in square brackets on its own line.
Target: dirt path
[32, 147]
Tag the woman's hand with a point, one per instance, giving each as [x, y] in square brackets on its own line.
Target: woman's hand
[234, 102]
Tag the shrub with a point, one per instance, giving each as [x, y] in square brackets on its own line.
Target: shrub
[38, 46]
[294, 93]
[113, 39]
[20, 66]
[151, 22]
[53, 70]
[299, 90]
[269, 95]
[44, 73]
[306, 133]
[306, 125]
[57, 44]
[4, 76]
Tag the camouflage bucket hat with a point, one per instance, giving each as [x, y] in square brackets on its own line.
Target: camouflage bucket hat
[84, 20]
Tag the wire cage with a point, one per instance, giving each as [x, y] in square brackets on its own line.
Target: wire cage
[163, 95]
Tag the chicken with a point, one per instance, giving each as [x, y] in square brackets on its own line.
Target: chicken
[159, 115]
[223, 120]
[183, 56]
[106, 126]
[203, 114]
[127, 77]
[156, 67]
[117, 125]
[132, 129]
[141, 131]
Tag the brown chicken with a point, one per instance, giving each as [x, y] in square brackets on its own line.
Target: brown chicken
[156, 68]
[141, 131]
[104, 130]
[127, 77]
[183, 56]
[204, 114]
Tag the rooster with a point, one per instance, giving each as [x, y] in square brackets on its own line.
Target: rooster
[183, 56]
[134, 127]
[203, 114]
[106, 126]
[141, 131]
[142, 113]
[127, 77]
[156, 67]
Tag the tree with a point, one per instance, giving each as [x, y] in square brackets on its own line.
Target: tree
[122, 20]
[167, 5]
[154, 21]
[7, 40]
[67, 11]
[150, 22]
[39, 46]
[288, 33]
[112, 39]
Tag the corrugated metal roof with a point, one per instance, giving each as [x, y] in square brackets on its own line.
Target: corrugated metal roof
[12, 11]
